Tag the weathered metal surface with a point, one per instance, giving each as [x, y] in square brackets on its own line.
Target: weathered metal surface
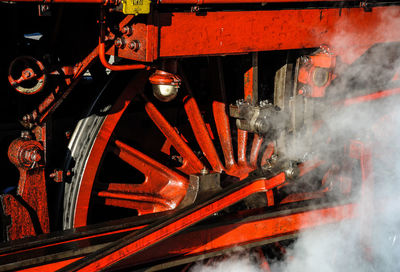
[163, 189]
[177, 33]
[202, 134]
[248, 31]
[191, 164]
[31, 71]
[133, 243]
[196, 242]
[133, 89]
[28, 210]
[201, 2]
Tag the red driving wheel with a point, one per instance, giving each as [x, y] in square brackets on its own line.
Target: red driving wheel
[162, 186]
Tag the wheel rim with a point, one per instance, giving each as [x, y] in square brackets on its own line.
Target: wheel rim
[164, 188]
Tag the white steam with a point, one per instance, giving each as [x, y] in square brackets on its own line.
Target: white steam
[236, 260]
[370, 241]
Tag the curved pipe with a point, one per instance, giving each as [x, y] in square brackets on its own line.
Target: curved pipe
[102, 56]
[102, 52]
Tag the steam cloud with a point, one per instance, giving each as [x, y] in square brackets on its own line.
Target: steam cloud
[237, 260]
[345, 246]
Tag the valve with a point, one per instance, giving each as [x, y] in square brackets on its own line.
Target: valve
[264, 118]
[27, 75]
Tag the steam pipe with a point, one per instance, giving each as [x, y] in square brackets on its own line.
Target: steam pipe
[102, 56]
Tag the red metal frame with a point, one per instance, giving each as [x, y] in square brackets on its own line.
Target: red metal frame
[248, 31]
[238, 32]
[204, 2]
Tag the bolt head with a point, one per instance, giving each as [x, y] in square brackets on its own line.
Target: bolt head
[134, 45]
[35, 156]
[127, 30]
[119, 42]
[25, 133]
[204, 171]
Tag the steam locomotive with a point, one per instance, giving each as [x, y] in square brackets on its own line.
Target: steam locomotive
[153, 134]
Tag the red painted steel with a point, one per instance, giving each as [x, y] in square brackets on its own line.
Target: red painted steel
[214, 238]
[242, 147]
[270, 198]
[28, 74]
[116, 253]
[54, 99]
[308, 166]
[224, 132]
[21, 224]
[302, 197]
[191, 163]
[188, 34]
[362, 151]
[162, 189]
[147, 199]
[79, 240]
[29, 215]
[102, 56]
[141, 45]
[203, 2]
[249, 31]
[316, 73]
[193, 2]
[370, 97]
[263, 261]
[267, 153]
[255, 150]
[201, 133]
[249, 86]
[134, 88]
[66, 1]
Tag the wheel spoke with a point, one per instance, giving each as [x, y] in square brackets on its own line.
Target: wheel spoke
[255, 150]
[242, 147]
[128, 196]
[201, 133]
[128, 192]
[191, 163]
[267, 153]
[163, 187]
[224, 132]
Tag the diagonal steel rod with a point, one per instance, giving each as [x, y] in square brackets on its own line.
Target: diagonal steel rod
[154, 233]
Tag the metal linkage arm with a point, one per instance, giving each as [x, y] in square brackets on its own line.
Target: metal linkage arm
[154, 233]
